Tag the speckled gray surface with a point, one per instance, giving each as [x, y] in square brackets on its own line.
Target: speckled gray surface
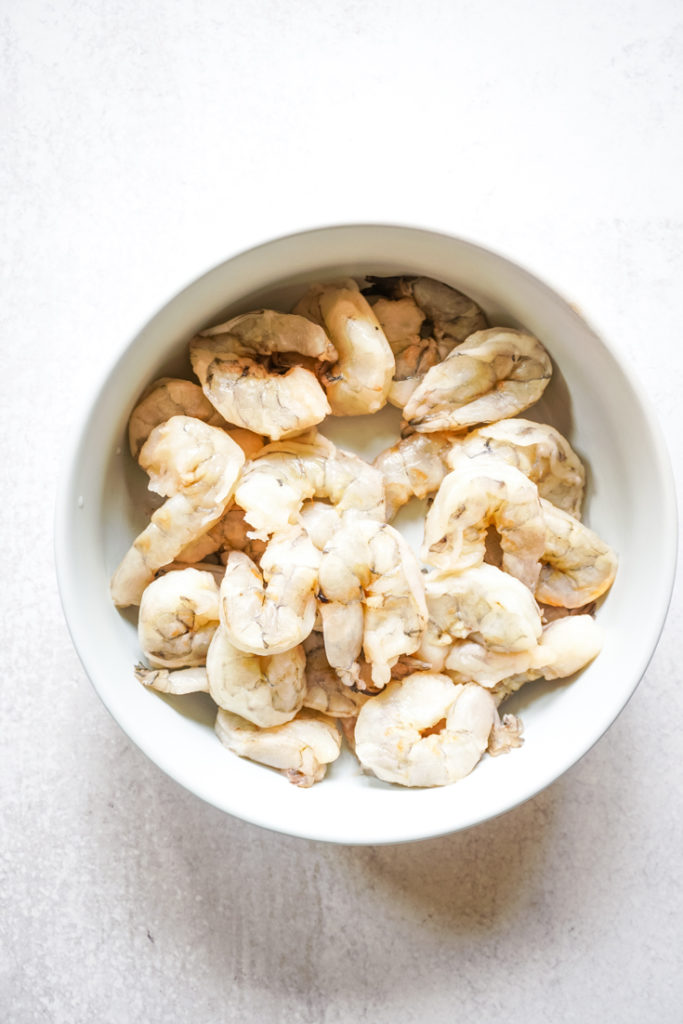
[144, 143]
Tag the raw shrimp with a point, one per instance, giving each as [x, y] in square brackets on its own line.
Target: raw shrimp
[301, 749]
[577, 566]
[229, 534]
[565, 646]
[324, 689]
[414, 467]
[368, 566]
[423, 319]
[250, 394]
[178, 617]
[265, 690]
[275, 484]
[197, 467]
[166, 397]
[320, 521]
[177, 681]
[359, 381]
[493, 374]
[482, 604]
[425, 730]
[538, 450]
[476, 494]
[271, 609]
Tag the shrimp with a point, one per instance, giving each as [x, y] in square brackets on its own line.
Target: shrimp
[425, 730]
[166, 397]
[271, 609]
[494, 373]
[301, 749]
[177, 681]
[565, 646]
[414, 467]
[474, 495]
[178, 617]
[368, 569]
[577, 566]
[250, 394]
[537, 450]
[483, 604]
[229, 534]
[275, 485]
[196, 466]
[359, 381]
[265, 690]
[423, 319]
[324, 689]
[320, 521]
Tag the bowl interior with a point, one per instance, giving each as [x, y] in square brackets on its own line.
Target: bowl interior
[104, 503]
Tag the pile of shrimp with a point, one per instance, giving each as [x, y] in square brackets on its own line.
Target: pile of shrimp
[271, 577]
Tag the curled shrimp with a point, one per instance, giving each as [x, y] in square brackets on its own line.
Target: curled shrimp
[565, 646]
[425, 730]
[476, 494]
[271, 609]
[493, 374]
[247, 392]
[276, 483]
[196, 467]
[266, 690]
[301, 748]
[325, 691]
[166, 397]
[178, 617]
[423, 319]
[577, 566]
[482, 604]
[537, 450]
[359, 381]
[371, 587]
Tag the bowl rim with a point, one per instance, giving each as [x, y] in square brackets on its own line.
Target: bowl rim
[63, 516]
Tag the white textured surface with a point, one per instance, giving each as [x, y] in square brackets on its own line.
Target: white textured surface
[144, 143]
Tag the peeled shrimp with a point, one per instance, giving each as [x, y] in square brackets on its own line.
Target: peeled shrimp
[265, 690]
[368, 570]
[320, 521]
[414, 467]
[359, 381]
[537, 450]
[197, 467]
[177, 681]
[425, 730]
[493, 374]
[423, 319]
[324, 689]
[271, 609]
[166, 397]
[483, 604]
[577, 566]
[275, 485]
[178, 617]
[476, 494]
[248, 393]
[565, 646]
[301, 749]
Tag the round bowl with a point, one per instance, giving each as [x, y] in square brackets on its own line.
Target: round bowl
[592, 399]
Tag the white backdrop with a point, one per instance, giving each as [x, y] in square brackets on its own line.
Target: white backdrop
[144, 143]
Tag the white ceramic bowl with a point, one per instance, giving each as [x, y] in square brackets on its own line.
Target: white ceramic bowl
[630, 502]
